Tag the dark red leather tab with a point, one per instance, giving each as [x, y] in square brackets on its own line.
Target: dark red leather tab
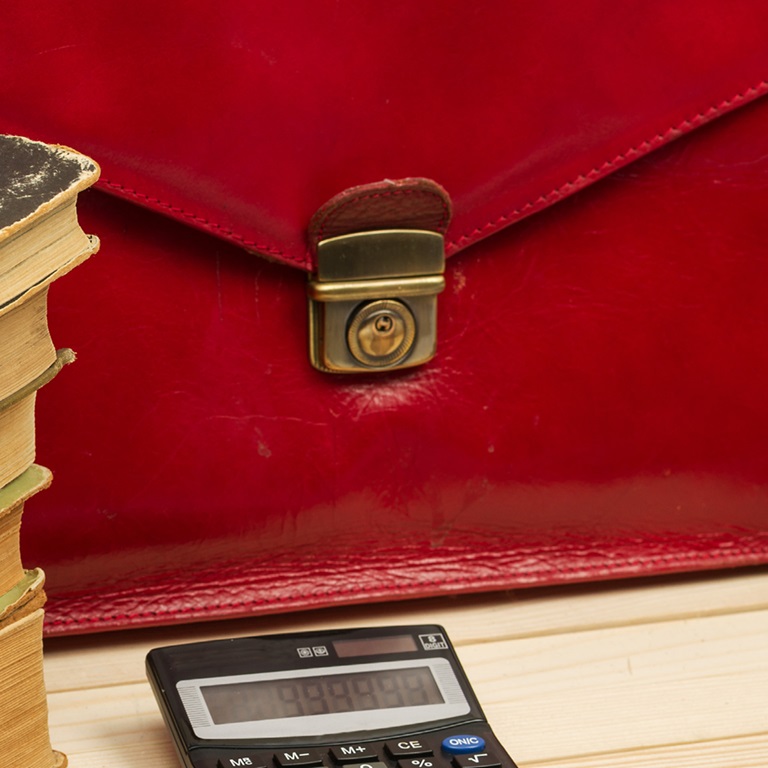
[402, 204]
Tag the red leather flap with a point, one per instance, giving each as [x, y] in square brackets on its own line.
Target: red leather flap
[244, 118]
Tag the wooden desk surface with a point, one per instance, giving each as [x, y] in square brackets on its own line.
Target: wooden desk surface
[649, 674]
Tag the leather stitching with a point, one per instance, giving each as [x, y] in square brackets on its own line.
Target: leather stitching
[205, 223]
[598, 172]
[455, 244]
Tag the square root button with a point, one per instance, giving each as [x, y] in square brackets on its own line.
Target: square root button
[480, 760]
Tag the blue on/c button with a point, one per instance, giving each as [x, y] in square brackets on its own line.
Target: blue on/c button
[463, 745]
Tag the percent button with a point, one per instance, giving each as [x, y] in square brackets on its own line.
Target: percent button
[417, 762]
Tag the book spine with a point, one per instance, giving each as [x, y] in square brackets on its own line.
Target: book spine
[40, 240]
[24, 739]
[17, 421]
[11, 571]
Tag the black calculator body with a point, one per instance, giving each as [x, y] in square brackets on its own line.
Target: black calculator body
[390, 697]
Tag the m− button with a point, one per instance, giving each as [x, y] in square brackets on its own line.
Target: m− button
[298, 758]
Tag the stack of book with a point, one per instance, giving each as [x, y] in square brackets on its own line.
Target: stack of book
[40, 240]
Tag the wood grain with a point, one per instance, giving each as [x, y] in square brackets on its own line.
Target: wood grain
[667, 672]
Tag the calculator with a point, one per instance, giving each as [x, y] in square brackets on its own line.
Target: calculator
[384, 697]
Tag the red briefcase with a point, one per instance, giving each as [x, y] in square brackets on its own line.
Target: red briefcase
[580, 393]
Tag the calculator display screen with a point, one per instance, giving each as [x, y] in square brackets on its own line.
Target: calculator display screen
[321, 695]
[321, 700]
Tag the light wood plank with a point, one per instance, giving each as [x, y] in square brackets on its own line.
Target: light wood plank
[643, 675]
[749, 752]
[115, 726]
[626, 688]
[118, 657]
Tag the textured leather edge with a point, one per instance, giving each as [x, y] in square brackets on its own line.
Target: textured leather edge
[503, 574]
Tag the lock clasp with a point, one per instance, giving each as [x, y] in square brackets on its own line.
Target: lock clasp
[373, 300]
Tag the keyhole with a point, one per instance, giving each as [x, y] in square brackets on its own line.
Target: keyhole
[381, 332]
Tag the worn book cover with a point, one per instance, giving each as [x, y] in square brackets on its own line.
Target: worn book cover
[40, 240]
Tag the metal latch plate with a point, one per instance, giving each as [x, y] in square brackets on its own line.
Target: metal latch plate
[373, 300]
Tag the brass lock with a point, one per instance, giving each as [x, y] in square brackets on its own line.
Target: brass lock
[381, 333]
[373, 300]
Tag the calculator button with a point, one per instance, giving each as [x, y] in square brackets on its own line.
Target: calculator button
[407, 748]
[478, 760]
[416, 762]
[241, 760]
[298, 758]
[372, 764]
[463, 744]
[353, 753]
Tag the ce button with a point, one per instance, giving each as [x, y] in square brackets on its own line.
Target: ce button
[407, 748]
